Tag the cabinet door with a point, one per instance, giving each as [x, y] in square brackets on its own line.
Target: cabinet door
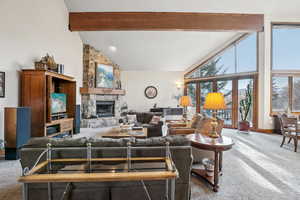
[34, 96]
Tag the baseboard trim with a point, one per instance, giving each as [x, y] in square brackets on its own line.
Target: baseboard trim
[269, 131]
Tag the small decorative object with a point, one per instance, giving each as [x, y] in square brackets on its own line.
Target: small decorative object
[209, 166]
[60, 68]
[2, 84]
[150, 92]
[185, 101]
[245, 106]
[46, 63]
[214, 101]
[104, 76]
[118, 84]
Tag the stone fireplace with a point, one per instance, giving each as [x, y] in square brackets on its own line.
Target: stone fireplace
[105, 108]
[101, 107]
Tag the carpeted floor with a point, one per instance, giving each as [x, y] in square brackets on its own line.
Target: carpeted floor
[255, 169]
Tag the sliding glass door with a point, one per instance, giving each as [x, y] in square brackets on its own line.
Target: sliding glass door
[225, 87]
[242, 88]
[205, 88]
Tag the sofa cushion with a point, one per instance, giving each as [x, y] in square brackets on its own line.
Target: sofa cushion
[196, 120]
[110, 142]
[177, 140]
[56, 142]
[155, 120]
[132, 119]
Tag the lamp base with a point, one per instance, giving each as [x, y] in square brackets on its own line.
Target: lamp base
[214, 125]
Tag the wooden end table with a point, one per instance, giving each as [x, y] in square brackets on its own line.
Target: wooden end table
[217, 145]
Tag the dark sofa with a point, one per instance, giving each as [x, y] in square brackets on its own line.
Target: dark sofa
[181, 156]
[144, 119]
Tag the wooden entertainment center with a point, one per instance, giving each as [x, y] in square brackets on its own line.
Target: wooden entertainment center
[36, 89]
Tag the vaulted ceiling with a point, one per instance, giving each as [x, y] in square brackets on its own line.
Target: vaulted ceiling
[168, 50]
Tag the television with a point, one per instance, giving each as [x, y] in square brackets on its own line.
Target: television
[58, 103]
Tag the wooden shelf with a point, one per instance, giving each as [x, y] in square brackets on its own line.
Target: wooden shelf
[52, 74]
[103, 91]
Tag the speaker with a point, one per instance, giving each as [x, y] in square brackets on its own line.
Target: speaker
[17, 130]
[77, 120]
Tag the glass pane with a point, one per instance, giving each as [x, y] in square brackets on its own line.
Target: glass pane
[242, 95]
[296, 95]
[286, 46]
[280, 94]
[191, 92]
[225, 63]
[225, 87]
[205, 88]
[246, 54]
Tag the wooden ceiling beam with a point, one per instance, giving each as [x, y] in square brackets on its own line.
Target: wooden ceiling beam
[163, 21]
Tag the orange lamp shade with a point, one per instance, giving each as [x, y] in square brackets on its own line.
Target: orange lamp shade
[214, 101]
[185, 101]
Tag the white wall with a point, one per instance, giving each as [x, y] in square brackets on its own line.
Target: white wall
[29, 29]
[135, 82]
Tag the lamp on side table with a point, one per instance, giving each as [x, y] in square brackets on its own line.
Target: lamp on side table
[185, 101]
[214, 101]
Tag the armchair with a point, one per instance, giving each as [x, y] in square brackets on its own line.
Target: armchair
[289, 129]
[200, 124]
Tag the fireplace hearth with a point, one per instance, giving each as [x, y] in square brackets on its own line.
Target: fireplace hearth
[105, 108]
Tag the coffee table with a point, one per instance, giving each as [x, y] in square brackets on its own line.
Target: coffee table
[122, 133]
[217, 145]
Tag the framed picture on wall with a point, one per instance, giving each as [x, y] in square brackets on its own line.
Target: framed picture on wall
[104, 76]
[2, 84]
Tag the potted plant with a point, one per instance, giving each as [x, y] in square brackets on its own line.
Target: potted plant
[245, 106]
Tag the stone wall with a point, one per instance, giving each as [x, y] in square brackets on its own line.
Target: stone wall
[92, 57]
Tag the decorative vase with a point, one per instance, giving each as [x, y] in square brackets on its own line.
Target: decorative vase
[244, 126]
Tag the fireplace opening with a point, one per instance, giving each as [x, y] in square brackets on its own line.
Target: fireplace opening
[105, 108]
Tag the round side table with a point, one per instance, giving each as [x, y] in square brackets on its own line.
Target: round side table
[217, 145]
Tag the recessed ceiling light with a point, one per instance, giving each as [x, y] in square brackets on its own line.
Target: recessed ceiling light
[112, 48]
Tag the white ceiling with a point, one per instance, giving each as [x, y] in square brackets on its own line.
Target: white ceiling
[167, 50]
[155, 50]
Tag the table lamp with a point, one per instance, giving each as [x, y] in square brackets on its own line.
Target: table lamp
[214, 101]
[185, 101]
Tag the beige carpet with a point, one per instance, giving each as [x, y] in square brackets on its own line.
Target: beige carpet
[255, 169]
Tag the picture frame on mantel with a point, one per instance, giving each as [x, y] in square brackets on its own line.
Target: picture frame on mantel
[2, 84]
[104, 76]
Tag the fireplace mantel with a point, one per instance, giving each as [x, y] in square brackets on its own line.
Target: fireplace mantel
[102, 91]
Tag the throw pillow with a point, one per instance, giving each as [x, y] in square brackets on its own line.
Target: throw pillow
[196, 120]
[155, 120]
[131, 119]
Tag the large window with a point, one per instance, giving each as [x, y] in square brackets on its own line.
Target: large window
[242, 88]
[285, 85]
[280, 94]
[191, 92]
[296, 94]
[225, 87]
[228, 72]
[205, 88]
[239, 57]
[286, 47]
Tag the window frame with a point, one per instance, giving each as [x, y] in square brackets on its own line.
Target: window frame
[290, 77]
[291, 74]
